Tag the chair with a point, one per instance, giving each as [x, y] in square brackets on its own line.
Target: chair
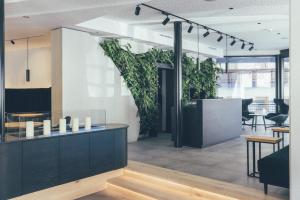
[274, 169]
[245, 111]
[282, 113]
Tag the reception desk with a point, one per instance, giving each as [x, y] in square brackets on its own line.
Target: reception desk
[29, 165]
[211, 121]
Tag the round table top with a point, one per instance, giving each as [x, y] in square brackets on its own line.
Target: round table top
[27, 114]
[258, 114]
[21, 124]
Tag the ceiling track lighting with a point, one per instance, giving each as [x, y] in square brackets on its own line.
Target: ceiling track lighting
[252, 47]
[192, 24]
[190, 28]
[243, 45]
[206, 33]
[233, 42]
[12, 42]
[166, 21]
[137, 10]
[220, 38]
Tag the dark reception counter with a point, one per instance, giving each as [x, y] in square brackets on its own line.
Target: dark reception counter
[211, 121]
[32, 164]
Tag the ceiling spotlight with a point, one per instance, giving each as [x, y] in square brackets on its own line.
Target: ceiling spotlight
[166, 20]
[243, 45]
[233, 42]
[220, 38]
[206, 33]
[137, 10]
[12, 42]
[190, 28]
[251, 48]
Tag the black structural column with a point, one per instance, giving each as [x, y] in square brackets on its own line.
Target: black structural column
[2, 73]
[278, 76]
[178, 83]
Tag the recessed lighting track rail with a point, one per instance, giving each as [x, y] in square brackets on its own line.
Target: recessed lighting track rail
[191, 23]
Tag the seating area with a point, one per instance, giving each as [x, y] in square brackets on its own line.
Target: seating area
[149, 100]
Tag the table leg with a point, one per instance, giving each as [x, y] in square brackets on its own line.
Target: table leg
[273, 144]
[248, 173]
[254, 164]
[259, 149]
[264, 122]
[278, 144]
[282, 140]
[255, 122]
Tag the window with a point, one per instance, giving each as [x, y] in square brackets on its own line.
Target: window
[248, 77]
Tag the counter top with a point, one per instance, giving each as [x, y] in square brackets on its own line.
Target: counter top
[10, 138]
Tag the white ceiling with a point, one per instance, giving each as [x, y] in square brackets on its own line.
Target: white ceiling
[241, 21]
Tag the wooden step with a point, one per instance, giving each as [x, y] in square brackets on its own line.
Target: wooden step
[115, 193]
[161, 190]
[197, 184]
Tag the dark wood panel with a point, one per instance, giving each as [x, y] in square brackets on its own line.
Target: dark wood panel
[40, 164]
[74, 157]
[120, 148]
[10, 170]
[102, 152]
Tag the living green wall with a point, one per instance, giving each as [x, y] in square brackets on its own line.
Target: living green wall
[140, 73]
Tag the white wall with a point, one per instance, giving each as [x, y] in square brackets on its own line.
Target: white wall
[295, 99]
[90, 80]
[39, 64]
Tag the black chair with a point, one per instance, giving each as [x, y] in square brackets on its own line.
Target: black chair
[246, 114]
[281, 115]
[274, 169]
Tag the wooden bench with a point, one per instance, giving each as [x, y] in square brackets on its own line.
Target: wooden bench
[282, 130]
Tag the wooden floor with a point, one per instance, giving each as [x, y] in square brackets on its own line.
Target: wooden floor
[146, 182]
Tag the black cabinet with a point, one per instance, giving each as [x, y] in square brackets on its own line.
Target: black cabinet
[102, 152]
[74, 157]
[120, 148]
[30, 165]
[10, 170]
[40, 164]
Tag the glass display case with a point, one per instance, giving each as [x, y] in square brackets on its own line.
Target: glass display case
[15, 123]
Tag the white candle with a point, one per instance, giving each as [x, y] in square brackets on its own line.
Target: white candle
[47, 127]
[62, 126]
[75, 124]
[29, 129]
[88, 123]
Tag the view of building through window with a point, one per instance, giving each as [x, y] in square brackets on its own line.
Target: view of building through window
[249, 78]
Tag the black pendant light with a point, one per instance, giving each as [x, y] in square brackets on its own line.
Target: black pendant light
[27, 66]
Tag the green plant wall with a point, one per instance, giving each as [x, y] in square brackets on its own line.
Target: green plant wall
[140, 73]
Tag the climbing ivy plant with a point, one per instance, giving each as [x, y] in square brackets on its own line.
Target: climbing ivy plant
[140, 73]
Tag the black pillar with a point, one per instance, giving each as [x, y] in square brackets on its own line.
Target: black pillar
[2, 74]
[278, 77]
[178, 83]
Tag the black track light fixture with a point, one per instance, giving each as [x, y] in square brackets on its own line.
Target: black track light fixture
[251, 48]
[166, 20]
[233, 42]
[220, 38]
[190, 28]
[137, 10]
[243, 45]
[192, 24]
[206, 33]
[12, 42]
